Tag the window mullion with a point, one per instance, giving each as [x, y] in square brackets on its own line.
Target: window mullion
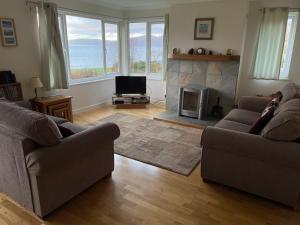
[103, 47]
[148, 47]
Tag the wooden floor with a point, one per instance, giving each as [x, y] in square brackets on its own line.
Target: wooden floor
[140, 194]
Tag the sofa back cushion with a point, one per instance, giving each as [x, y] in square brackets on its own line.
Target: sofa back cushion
[289, 91]
[285, 125]
[35, 126]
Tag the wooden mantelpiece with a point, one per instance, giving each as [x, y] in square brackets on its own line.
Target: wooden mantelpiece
[204, 57]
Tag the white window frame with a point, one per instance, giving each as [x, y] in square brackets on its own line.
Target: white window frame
[62, 14]
[148, 21]
[285, 69]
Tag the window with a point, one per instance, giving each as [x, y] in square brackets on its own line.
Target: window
[138, 47]
[91, 47]
[146, 48]
[273, 55]
[288, 45]
[112, 48]
[157, 46]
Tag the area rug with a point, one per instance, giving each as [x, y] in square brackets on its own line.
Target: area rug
[161, 144]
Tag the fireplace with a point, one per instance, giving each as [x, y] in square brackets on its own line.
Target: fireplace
[193, 102]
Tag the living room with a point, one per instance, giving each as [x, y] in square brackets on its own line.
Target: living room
[149, 112]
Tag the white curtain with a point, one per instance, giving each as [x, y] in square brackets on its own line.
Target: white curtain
[53, 70]
[166, 45]
[267, 59]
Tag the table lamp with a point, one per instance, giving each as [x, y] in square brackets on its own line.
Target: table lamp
[36, 83]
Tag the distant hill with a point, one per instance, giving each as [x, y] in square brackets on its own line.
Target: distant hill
[139, 41]
[80, 49]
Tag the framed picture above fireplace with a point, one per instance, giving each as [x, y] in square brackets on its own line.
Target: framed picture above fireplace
[204, 28]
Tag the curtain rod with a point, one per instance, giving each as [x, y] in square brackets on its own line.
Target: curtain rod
[39, 3]
[292, 9]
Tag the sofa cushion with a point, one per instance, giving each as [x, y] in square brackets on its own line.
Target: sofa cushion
[289, 91]
[232, 125]
[285, 125]
[243, 116]
[30, 124]
[291, 105]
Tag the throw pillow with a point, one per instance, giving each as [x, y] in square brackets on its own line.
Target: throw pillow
[265, 117]
[65, 131]
[285, 125]
[30, 124]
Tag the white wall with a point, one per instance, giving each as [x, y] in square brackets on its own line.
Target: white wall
[23, 60]
[249, 86]
[230, 20]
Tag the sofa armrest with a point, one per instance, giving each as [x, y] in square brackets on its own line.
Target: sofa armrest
[286, 154]
[253, 103]
[72, 149]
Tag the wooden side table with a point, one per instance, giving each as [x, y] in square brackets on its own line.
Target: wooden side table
[59, 106]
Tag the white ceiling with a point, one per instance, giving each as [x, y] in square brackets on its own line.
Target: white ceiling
[141, 4]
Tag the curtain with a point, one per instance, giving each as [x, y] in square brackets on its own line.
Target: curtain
[166, 44]
[53, 70]
[267, 59]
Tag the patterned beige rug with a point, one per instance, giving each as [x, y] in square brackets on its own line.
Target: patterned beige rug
[161, 144]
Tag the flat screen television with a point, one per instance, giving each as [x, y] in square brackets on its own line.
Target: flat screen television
[130, 85]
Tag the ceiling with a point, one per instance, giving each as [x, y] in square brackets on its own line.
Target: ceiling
[141, 4]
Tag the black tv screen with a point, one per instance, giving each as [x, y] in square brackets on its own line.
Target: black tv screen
[130, 85]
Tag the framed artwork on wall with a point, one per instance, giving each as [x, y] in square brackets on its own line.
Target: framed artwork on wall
[8, 32]
[204, 28]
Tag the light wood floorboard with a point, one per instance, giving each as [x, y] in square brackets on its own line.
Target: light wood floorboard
[141, 194]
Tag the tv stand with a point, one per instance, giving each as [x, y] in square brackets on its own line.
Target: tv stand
[130, 101]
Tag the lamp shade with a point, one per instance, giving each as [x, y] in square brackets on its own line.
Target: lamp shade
[36, 82]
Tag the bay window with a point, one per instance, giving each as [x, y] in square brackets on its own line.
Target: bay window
[91, 47]
[146, 48]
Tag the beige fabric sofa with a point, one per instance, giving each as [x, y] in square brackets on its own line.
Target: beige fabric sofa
[252, 163]
[42, 174]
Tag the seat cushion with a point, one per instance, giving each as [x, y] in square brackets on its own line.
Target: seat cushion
[243, 116]
[30, 124]
[72, 127]
[232, 125]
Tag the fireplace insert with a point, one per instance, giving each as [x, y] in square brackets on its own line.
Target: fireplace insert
[193, 102]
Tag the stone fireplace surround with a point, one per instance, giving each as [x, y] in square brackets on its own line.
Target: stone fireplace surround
[219, 77]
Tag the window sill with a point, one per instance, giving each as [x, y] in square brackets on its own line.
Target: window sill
[284, 80]
[93, 80]
[149, 76]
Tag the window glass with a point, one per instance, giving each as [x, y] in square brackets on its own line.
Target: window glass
[288, 45]
[84, 36]
[138, 47]
[157, 42]
[112, 48]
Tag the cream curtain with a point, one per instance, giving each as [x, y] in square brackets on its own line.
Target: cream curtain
[166, 44]
[53, 70]
[267, 60]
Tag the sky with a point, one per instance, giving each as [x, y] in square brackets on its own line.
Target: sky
[87, 28]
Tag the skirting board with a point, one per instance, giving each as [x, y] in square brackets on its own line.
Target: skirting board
[87, 108]
[103, 103]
